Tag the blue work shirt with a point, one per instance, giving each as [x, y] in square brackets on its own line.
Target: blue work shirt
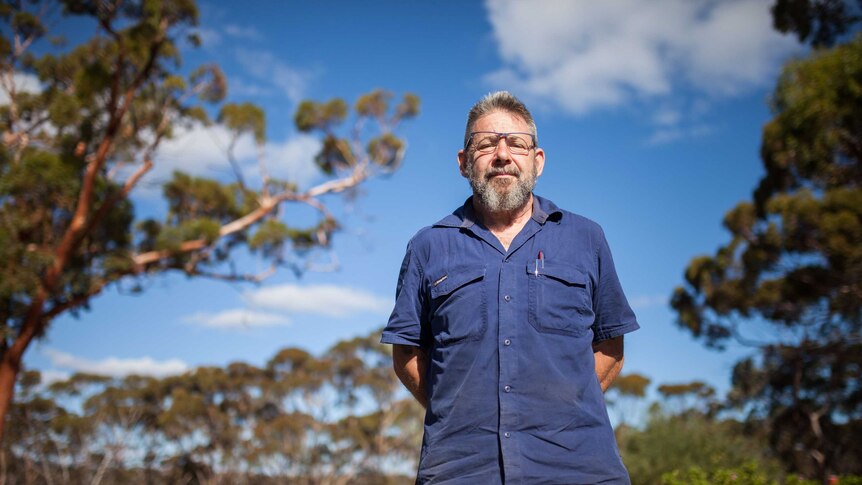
[512, 391]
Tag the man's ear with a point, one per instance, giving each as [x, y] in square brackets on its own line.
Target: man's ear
[463, 160]
[540, 161]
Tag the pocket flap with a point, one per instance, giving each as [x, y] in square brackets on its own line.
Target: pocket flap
[456, 278]
[566, 273]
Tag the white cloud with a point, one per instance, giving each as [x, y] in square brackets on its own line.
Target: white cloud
[584, 56]
[670, 133]
[240, 87]
[293, 159]
[666, 116]
[238, 318]
[51, 376]
[209, 37]
[265, 67]
[326, 300]
[647, 301]
[240, 32]
[116, 367]
[201, 151]
[24, 83]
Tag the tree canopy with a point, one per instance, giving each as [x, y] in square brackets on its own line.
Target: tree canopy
[74, 149]
[789, 281]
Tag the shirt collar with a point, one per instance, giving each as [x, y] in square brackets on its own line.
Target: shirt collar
[465, 216]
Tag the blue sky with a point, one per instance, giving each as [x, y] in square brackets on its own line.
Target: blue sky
[649, 113]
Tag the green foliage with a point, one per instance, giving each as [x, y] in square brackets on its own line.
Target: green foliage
[821, 22]
[244, 118]
[335, 154]
[631, 385]
[745, 475]
[311, 115]
[793, 263]
[270, 234]
[212, 81]
[386, 150]
[191, 197]
[748, 474]
[171, 238]
[690, 439]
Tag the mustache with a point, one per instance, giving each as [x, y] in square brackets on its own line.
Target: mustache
[503, 171]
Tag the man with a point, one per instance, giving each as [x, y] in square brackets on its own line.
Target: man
[508, 323]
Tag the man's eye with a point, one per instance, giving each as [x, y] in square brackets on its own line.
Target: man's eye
[485, 144]
[516, 142]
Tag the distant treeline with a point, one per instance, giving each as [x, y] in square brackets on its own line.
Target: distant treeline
[338, 418]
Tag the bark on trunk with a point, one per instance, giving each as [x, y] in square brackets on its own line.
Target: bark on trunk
[8, 374]
[10, 361]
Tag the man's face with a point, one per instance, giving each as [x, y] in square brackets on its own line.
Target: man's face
[502, 180]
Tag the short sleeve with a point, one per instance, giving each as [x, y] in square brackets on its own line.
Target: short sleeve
[405, 324]
[614, 316]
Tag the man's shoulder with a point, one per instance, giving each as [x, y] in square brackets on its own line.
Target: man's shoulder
[430, 234]
[568, 219]
[580, 222]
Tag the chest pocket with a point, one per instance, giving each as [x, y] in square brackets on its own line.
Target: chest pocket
[458, 307]
[559, 299]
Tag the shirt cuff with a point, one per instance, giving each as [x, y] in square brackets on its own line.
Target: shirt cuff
[391, 338]
[616, 332]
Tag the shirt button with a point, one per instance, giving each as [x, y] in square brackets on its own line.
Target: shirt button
[507, 388]
[507, 298]
[507, 342]
[507, 434]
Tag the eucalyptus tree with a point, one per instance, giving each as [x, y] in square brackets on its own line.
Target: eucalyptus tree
[74, 148]
[789, 281]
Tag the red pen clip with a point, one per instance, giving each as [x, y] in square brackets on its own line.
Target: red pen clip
[539, 259]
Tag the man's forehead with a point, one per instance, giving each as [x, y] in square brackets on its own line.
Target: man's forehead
[500, 117]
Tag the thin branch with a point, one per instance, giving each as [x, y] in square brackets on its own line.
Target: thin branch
[339, 185]
[79, 300]
[264, 173]
[234, 164]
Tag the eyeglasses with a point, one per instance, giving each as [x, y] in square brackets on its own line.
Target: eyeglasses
[519, 143]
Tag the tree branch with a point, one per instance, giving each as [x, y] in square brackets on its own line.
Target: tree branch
[246, 278]
[76, 229]
[267, 206]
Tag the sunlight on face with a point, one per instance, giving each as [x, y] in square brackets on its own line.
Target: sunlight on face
[501, 180]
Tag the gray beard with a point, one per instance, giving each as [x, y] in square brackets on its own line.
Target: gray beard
[498, 197]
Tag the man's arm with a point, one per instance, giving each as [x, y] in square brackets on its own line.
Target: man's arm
[609, 360]
[410, 363]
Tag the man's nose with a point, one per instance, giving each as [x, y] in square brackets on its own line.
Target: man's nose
[502, 153]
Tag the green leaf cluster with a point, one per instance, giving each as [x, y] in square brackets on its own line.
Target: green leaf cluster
[670, 442]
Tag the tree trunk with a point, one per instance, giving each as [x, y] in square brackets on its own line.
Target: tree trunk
[9, 368]
[10, 361]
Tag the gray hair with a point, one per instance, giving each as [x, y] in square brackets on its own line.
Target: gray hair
[499, 101]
